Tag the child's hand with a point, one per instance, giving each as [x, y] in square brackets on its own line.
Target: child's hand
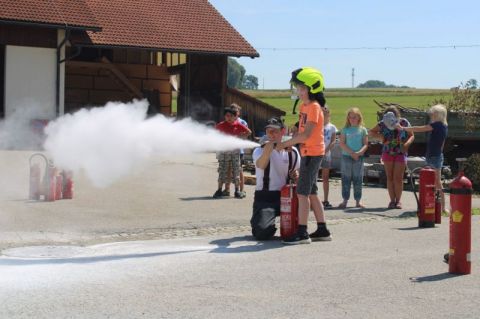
[269, 146]
[294, 174]
[399, 127]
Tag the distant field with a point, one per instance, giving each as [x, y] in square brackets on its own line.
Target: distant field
[340, 100]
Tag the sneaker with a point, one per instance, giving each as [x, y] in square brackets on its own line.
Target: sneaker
[321, 234]
[239, 194]
[327, 205]
[218, 194]
[297, 239]
[226, 193]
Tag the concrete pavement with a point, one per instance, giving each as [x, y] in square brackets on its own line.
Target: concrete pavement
[155, 245]
[165, 198]
[377, 269]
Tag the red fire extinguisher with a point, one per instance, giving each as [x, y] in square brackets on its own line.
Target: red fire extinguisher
[67, 191]
[426, 209]
[58, 186]
[288, 210]
[459, 260]
[35, 181]
[50, 183]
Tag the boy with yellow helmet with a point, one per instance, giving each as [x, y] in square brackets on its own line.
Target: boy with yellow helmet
[309, 84]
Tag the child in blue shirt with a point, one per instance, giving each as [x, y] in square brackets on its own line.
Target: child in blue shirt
[438, 129]
[354, 144]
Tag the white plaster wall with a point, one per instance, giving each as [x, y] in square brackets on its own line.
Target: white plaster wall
[30, 81]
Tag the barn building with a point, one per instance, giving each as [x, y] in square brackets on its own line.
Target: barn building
[63, 55]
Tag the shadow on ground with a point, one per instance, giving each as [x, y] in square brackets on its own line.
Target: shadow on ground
[189, 199]
[227, 245]
[85, 260]
[433, 278]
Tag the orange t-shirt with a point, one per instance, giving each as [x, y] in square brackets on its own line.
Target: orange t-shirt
[315, 144]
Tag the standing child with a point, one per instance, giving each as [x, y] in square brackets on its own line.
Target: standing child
[309, 84]
[329, 134]
[394, 151]
[438, 129]
[230, 158]
[354, 144]
[238, 108]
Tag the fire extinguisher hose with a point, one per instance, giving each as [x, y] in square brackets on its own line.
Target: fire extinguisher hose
[412, 182]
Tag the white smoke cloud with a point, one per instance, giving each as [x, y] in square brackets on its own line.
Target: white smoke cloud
[107, 142]
[22, 129]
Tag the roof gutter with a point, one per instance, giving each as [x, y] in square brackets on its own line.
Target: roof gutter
[110, 46]
[50, 25]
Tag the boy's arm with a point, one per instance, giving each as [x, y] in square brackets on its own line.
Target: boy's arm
[264, 159]
[246, 131]
[299, 138]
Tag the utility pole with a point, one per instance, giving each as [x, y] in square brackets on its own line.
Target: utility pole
[353, 78]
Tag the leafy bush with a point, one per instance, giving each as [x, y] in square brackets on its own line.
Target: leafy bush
[465, 101]
[472, 170]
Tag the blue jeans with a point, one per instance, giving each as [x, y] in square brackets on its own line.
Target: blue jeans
[352, 171]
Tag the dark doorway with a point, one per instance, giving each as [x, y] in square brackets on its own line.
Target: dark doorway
[2, 81]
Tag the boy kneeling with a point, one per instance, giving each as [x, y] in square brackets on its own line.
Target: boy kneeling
[272, 169]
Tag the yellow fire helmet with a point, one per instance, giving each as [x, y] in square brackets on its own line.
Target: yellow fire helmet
[310, 77]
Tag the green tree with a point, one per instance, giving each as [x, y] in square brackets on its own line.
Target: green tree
[379, 84]
[250, 82]
[235, 73]
[372, 84]
[471, 84]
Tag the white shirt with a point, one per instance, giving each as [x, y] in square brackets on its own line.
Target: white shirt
[278, 168]
[328, 130]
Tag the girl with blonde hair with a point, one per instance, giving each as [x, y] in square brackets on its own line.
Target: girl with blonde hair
[354, 144]
[438, 128]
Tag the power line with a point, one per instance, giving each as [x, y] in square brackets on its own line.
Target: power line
[385, 48]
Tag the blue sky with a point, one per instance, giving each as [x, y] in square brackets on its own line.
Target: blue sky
[366, 23]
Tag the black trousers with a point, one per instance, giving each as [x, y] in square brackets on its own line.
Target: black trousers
[266, 206]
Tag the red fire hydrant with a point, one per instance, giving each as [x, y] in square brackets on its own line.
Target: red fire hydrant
[426, 210]
[459, 261]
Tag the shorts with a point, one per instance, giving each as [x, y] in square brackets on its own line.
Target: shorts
[307, 181]
[242, 160]
[326, 162]
[435, 162]
[398, 158]
[227, 161]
